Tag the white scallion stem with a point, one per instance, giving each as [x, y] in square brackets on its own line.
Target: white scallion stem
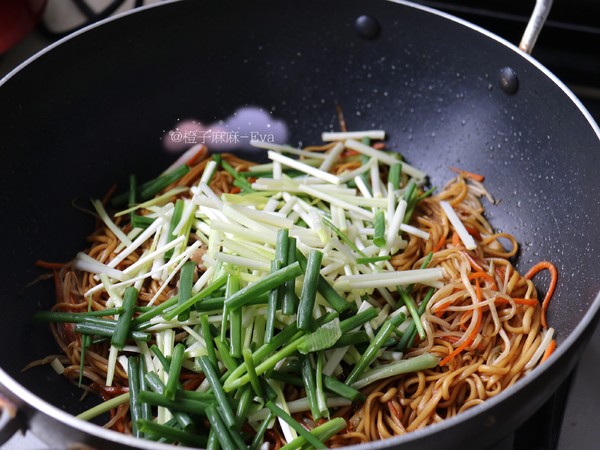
[188, 211]
[277, 170]
[371, 152]
[272, 205]
[109, 223]
[210, 194]
[376, 181]
[362, 187]
[138, 242]
[332, 155]
[143, 276]
[329, 136]
[249, 249]
[161, 199]
[112, 361]
[245, 233]
[295, 164]
[203, 280]
[243, 262]
[287, 149]
[391, 202]
[238, 217]
[383, 157]
[88, 264]
[336, 201]
[267, 218]
[334, 360]
[390, 279]
[115, 299]
[175, 271]
[414, 231]
[464, 235]
[209, 170]
[393, 227]
[153, 255]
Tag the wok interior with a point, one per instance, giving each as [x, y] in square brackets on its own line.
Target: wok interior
[92, 111]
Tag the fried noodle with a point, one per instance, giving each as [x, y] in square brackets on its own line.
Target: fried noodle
[485, 323]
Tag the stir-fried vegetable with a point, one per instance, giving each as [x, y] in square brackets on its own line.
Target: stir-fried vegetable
[285, 280]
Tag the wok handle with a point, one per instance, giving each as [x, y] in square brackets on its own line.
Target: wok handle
[9, 419]
[535, 24]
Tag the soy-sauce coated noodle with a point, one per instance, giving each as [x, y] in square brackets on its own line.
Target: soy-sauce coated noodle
[485, 323]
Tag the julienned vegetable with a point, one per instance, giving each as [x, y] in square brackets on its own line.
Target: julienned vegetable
[233, 285]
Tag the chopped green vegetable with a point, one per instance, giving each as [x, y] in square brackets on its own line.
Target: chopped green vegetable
[224, 401]
[135, 406]
[175, 219]
[245, 292]
[174, 371]
[290, 300]
[124, 321]
[323, 338]
[311, 439]
[379, 234]
[309, 291]
[395, 174]
[371, 353]
[322, 433]
[271, 281]
[186, 438]
[310, 387]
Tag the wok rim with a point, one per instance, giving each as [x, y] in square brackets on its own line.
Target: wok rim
[586, 324]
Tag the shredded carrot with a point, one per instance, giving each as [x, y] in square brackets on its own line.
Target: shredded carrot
[235, 190]
[440, 244]
[49, 265]
[454, 339]
[464, 318]
[465, 344]
[439, 312]
[486, 276]
[474, 264]
[519, 301]
[379, 145]
[553, 280]
[549, 350]
[466, 174]
[455, 239]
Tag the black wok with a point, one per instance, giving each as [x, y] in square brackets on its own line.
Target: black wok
[93, 109]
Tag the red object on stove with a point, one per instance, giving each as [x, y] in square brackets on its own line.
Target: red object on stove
[17, 19]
